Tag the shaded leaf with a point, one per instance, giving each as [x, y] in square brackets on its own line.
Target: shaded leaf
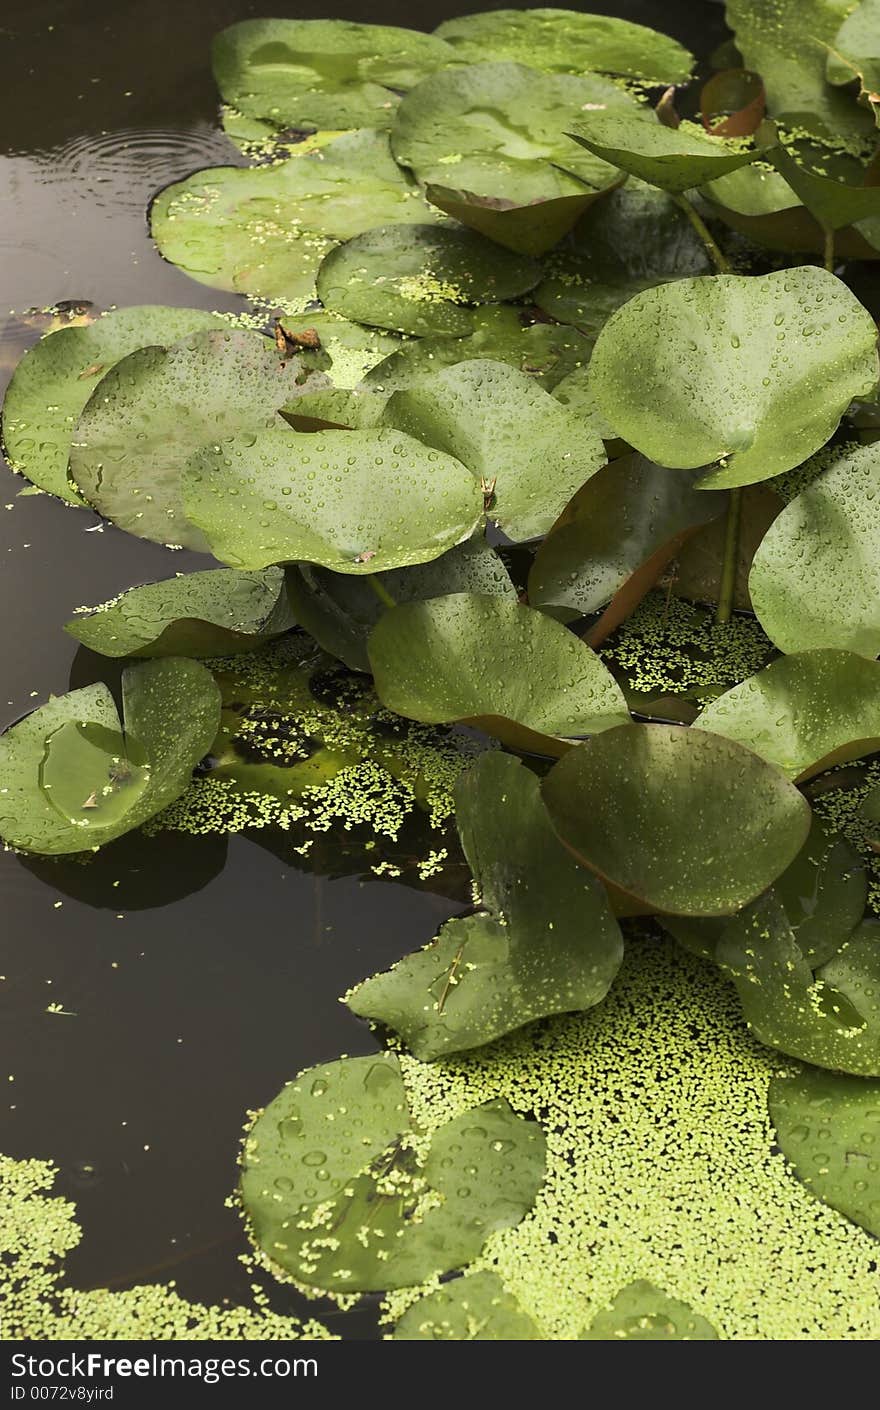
[643, 1312]
[473, 1308]
[698, 565]
[675, 159]
[833, 203]
[855, 53]
[733, 103]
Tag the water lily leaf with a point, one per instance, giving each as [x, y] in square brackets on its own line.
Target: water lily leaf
[643, 1312]
[156, 407]
[830, 1018]
[264, 230]
[55, 378]
[528, 452]
[543, 939]
[815, 581]
[340, 611]
[473, 1308]
[828, 1127]
[197, 614]
[680, 819]
[353, 501]
[491, 662]
[335, 1154]
[489, 143]
[765, 367]
[673, 158]
[637, 238]
[804, 712]
[832, 202]
[321, 73]
[613, 540]
[566, 41]
[733, 103]
[335, 407]
[855, 53]
[420, 278]
[698, 565]
[71, 779]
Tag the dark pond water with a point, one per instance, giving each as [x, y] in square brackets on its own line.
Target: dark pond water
[208, 975]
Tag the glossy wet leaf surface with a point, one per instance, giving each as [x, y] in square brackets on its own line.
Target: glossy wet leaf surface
[673, 158]
[643, 1312]
[474, 1308]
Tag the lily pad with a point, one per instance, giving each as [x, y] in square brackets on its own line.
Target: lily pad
[681, 820]
[353, 501]
[159, 405]
[566, 41]
[196, 614]
[528, 452]
[805, 712]
[55, 378]
[673, 158]
[643, 1312]
[72, 780]
[475, 1308]
[309, 74]
[828, 1127]
[494, 663]
[855, 53]
[340, 1193]
[764, 368]
[832, 203]
[420, 278]
[543, 939]
[697, 571]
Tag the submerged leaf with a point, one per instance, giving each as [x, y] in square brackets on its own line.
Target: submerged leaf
[673, 158]
[643, 1312]
[473, 1308]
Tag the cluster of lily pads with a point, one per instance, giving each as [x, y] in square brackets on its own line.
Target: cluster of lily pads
[540, 347]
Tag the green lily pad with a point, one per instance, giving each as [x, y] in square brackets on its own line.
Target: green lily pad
[72, 780]
[494, 663]
[855, 53]
[643, 1312]
[340, 611]
[828, 1127]
[420, 278]
[543, 939]
[353, 501]
[832, 203]
[566, 41]
[473, 1308]
[197, 614]
[528, 451]
[159, 405]
[264, 230]
[615, 537]
[764, 368]
[698, 566]
[681, 820]
[340, 1193]
[815, 581]
[673, 158]
[333, 408]
[321, 73]
[55, 378]
[804, 712]
[830, 1017]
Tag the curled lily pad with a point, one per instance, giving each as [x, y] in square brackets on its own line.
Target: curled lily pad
[528, 452]
[855, 53]
[764, 368]
[353, 501]
[543, 939]
[733, 103]
[56, 377]
[643, 1312]
[309, 74]
[673, 158]
[474, 1308]
[420, 279]
[815, 581]
[339, 1190]
[615, 537]
[830, 1017]
[833, 203]
[566, 41]
[197, 614]
[72, 780]
[804, 712]
[681, 820]
[156, 407]
[491, 662]
[828, 1127]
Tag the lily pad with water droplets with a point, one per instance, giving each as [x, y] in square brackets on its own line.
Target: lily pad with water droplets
[764, 368]
[71, 779]
[217, 613]
[477, 1307]
[340, 1191]
[494, 663]
[643, 1312]
[681, 820]
[673, 158]
[543, 939]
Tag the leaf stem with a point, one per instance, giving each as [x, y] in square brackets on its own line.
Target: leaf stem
[717, 256]
[380, 590]
[829, 250]
[730, 562]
